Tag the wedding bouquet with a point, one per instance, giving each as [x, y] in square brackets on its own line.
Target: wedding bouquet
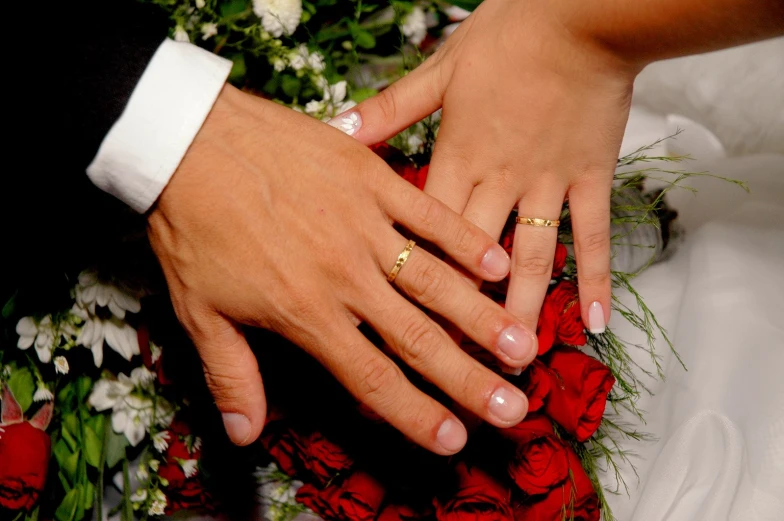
[98, 386]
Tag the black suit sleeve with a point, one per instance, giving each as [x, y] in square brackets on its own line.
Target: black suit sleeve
[68, 87]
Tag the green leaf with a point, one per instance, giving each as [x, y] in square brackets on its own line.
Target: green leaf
[115, 450]
[22, 385]
[67, 509]
[360, 95]
[10, 306]
[290, 85]
[93, 445]
[89, 496]
[239, 69]
[84, 385]
[233, 7]
[468, 5]
[70, 465]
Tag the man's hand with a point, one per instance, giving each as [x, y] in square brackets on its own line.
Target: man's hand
[275, 220]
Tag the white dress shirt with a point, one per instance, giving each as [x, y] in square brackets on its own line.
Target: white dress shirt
[165, 112]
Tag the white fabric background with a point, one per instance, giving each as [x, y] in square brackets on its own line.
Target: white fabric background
[720, 425]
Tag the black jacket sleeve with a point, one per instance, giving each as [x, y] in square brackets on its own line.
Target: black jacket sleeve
[67, 88]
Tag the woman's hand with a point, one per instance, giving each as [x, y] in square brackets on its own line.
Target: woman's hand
[278, 221]
[533, 112]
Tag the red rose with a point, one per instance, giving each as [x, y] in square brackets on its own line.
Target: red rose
[25, 450]
[479, 497]
[559, 262]
[558, 502]
[323, 458]
[579, 392]
[397, 512]
[183, 492]
[358, 498]
[540, 462]
[416, 176]
[560, 321]
[23, 465]
[311, 453]
[535, 382]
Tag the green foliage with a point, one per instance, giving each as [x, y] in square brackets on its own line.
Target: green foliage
[22, 384]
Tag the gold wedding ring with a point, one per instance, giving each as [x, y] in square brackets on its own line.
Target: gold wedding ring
[534, 221]
[401, 259]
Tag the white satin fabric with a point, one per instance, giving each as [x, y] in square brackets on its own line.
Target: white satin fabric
[719, 425]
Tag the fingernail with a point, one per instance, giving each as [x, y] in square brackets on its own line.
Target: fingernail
[237, 427]
[516, 343]
[496, 262]
[451, 436]
[507, 405]
[349, 123]
[596, 324]
[508, 369]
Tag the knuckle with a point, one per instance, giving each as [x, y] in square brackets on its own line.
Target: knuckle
[466, 240]
[533, 265]
[428, 213]
[486, 317]
[430, 283]
[475, 378]
[418, 343]
[379, 378]
[387, 104]
[597, 279]
[594, 242]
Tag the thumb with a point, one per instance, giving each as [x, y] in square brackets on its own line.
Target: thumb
[405, 102]
[233, 378]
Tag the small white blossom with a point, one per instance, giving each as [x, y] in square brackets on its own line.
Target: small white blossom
[278, 16]
[142, 377]
[279, 64]
[335, 93]
[61, 365]
[160, 441]
[315, 107]
[91, 292]
[208, 30]
[190, 467]
[159, 495]
[154, 464]
[316, 62]
[200, 4]
[456, 14]
[414, 144]
[155, 352]
[140, 496]
[298, 58]
[42, 394]
[415, 26]
[275, 494]
[157, 508]
[7, 371]
[142, 474]
[180, 34]
[196, 444]
[42, 334]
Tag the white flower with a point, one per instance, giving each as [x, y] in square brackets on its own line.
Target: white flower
[140, 496]
[142, 474]
[335, 93]
[316, 62]
[155, 352]
[132, 418]
[456, 14]
[298, 58]
[157, 508]
[118, 334]
[196, 444]
[200, 4]
[279, 64]
[142, 377]
[314, 107]
[208, 30]
[278, 16]
[61, 365]
[414, 144]
[42, 394]
[415, 26]
[190, 467]
[7, 371]
[41, 333]
[107, 393]
[90, 291]
[180, 34]
[160, 441]
[154, 464]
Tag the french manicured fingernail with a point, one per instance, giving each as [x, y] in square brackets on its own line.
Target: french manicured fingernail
[452, 436]
[237, 427]
[508, 369]
[349, 123]
[507, 405]
[516, 343]
[596, 323]
[496, 262]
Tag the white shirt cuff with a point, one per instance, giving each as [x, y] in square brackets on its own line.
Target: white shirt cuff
[164, 113]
